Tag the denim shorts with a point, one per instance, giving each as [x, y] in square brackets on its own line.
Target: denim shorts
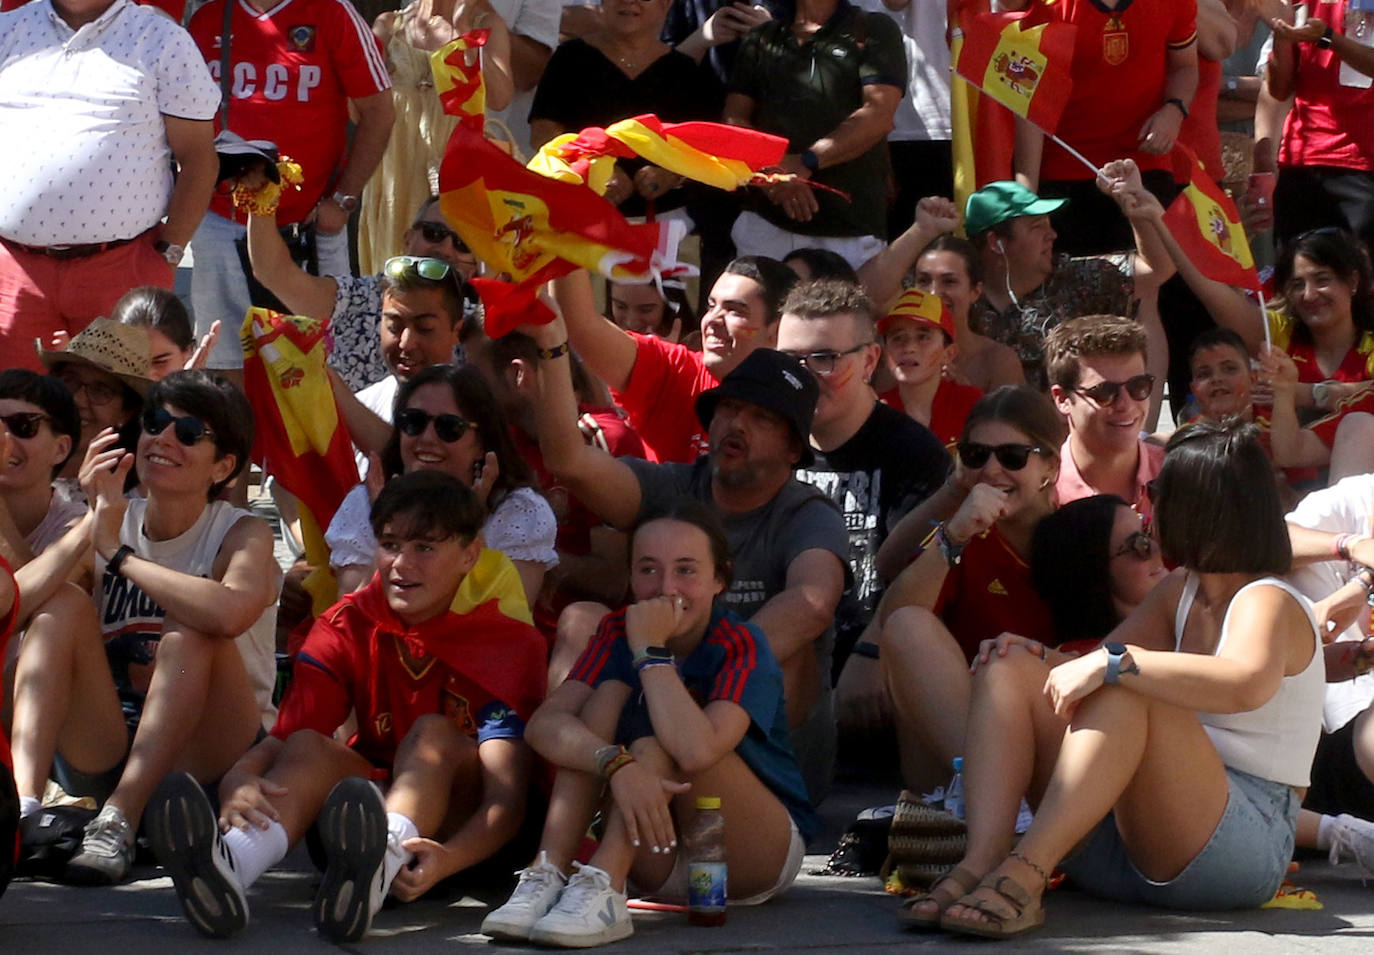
[1241, 866]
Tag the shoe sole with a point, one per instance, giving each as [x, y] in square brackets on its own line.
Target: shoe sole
[611, 933]
[353, 830]
[181, 825]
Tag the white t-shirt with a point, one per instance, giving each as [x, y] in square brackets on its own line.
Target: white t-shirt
[1345, 508]
[83, 146]
[923, 113]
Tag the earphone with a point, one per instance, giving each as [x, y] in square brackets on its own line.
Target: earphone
[1001, 248]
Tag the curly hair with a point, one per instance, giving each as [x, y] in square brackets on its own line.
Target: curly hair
[1089, 337]
[826, 297]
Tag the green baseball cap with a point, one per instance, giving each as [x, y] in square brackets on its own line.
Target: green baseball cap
[999, 201]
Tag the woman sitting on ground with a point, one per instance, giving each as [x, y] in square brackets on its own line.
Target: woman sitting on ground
[171, 336]
[627, 734]
[1218, 671]
[448, 420]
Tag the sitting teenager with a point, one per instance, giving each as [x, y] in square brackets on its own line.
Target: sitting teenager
[919, 348]
[172, 344]
[175, 669]
[1341, 441]
[447, 420]
[443, 677]
[676, 698]
[641, 308]
[972, 580]
[1219, 670]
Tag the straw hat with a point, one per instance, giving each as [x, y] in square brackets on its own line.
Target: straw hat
[122, 350]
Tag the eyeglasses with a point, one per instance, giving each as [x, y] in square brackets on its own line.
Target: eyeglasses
[189, 430]
[437, 232]
[448, 427]
[97, 392]
[1013, 457]
[1139, 545]
[24, 424]
[1104, 393]
[404, 266]
[823, 362]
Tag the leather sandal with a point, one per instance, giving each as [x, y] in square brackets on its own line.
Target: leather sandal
[963, 881]
[1027, 913]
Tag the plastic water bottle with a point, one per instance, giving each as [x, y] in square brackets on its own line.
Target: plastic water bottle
[954, 794]
[706, 870]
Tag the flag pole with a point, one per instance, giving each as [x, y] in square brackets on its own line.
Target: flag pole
[1097, 173]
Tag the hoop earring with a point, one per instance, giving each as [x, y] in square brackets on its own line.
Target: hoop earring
[1045, 483]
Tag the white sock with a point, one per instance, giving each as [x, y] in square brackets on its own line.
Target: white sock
[401, 828]
[1325, 824]
[256, 850]
[28, 805]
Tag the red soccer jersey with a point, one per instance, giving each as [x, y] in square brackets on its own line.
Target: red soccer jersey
[989, 592]
[1329, 123]
[1119, 67]
[1200, 132]
[295, 68]
[661, 397]
[476, 664]
[951, 405]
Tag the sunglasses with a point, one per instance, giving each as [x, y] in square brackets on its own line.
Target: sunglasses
[436, 233]
[406, 266]
[448, 427]
[189, 430]
[823, 363]
[97, 392]
[1104, 393]
[1012, 457]
[24, 424]
[1139, 545]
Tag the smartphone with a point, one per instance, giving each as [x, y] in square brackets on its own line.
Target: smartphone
[1300, 15]
[1261, 191]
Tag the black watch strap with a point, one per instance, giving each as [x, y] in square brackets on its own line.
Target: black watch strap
[117, 561]
[1324, 41]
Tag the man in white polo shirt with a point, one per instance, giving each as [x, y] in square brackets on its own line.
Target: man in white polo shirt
[97, 97]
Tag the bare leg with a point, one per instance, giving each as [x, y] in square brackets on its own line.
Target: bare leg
[1352, 451]
[928, 679]
[64, 699]
[438, 776]
[308, 767]
[576, 626]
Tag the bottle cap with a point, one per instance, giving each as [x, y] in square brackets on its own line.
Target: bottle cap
[958, 764]
[708, 802]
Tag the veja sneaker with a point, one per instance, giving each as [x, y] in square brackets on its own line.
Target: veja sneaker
[535, 893]
[107, 850]
[1353, 836]
[354, 833]
[184, 832]
[588, 913]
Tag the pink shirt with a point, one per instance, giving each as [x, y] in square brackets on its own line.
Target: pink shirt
[1071, 486]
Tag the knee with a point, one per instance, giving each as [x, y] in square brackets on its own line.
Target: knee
[308, 746]
[912, 631]
[439, 739]
[577, 623]
[68, 610]
[1018, 668]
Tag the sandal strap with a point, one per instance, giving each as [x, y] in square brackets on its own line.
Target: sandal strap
[1009, 889]
[964, 882]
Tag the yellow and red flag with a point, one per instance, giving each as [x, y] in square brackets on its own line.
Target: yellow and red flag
[983, 131]
[717, 154]
[1206, 224]
[299, 437]
[505, 307]
[529, 228]
[1021, 60]
[457, 69]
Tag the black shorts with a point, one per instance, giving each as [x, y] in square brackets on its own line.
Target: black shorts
[1338, 784]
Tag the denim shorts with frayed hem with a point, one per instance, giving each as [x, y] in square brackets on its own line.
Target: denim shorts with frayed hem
[1241, 866]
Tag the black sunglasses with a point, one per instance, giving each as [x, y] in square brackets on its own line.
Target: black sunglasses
[1138, 544]
[436, 232]
[189, 430]
[24, 424]
[1138, 387]
[1013, 457]
[448, 427]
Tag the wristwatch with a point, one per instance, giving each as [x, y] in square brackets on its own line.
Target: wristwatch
[170, 251]
[1321, 392]
[810, 160]
[344, 201]
[1116, 652]
[1324, 41]
[652, 656]
[951, 551]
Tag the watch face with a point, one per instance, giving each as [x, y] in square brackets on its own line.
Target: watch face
[1115, 649]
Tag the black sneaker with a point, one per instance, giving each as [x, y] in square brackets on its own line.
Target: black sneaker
[181, 824]
[353, 830]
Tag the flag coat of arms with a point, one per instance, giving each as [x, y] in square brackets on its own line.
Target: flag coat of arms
[1207, 226]
[1021, 60]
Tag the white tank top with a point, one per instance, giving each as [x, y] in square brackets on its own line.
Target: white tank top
[1277, 740]
[131, 621]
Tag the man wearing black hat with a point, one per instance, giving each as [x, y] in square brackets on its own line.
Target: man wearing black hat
[788, 540]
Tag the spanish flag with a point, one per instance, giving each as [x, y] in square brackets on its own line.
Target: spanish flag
[529, 228]
[299, 437]
[457, 69]
[983, 130]
[717, 154]
[1021, 60]
[1204, 221]
[505, 307]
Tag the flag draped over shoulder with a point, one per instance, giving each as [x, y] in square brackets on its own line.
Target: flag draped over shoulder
[531, 228]
[298, 434]
[1022, 60]
[717, 154]
[1206, 224]
[458, 82]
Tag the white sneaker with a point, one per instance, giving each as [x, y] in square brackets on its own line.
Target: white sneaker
[182, 827]
[535, 893]
[107, 850]
[354, 833]
[1351, 835]
[588, 913]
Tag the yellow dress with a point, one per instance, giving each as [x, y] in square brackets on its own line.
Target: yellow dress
[409, 171]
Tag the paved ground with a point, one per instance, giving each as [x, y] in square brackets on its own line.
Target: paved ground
[819, 915]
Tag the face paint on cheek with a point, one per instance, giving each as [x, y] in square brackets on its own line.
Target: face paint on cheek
[839, 381]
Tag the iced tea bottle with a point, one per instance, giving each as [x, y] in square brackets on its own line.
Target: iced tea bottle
[706, 871]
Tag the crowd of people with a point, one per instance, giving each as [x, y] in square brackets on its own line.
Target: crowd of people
[902, 493]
